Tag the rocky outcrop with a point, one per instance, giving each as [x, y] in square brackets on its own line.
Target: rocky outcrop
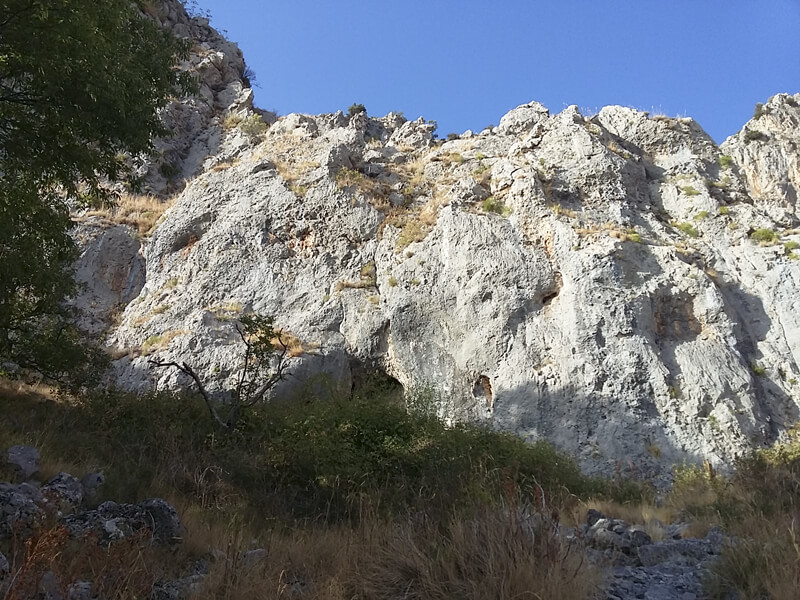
[767, 154]
[197, 122]
[611, 283]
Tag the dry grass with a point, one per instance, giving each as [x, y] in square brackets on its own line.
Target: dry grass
[125, 570]
[225, 164]
[498, 554]
[160, 342]
[141, 212]
[293, 344]
[610, 229]
[373, 189]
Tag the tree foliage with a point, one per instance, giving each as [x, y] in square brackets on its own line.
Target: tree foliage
[81, 82]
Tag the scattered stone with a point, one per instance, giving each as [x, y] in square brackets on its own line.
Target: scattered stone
[91, 485]
[20, 506]
[252, 558]
[65, 490]
[24, 460]
[112, 522]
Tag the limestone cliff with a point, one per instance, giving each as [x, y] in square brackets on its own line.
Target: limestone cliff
[617, 284]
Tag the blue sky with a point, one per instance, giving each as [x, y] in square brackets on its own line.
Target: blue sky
[466, 63]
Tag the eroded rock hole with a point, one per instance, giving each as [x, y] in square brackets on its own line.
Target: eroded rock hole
[550, 296]
[483, 389]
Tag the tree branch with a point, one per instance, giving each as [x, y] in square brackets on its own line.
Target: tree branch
[187, 370]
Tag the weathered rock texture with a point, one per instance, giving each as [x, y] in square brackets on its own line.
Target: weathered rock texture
[589, 280]
[592, 281]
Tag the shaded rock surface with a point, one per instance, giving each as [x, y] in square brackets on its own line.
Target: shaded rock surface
[24, 460]
[112, 522]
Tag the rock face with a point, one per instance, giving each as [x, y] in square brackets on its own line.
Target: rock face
[197, 122]
[767, 151]
[617, 284]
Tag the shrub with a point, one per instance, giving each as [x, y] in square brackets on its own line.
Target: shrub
[725, 161]
[757, 369]
[355, 109]
[759, 111]
[495, 205]
[791, 245]
[752, 135]
[253, 126]
[764, 236]
[724, 210]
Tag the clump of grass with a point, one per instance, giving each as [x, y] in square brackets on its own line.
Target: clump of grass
[701, 215]
[689, 190]
[632, 236]
[725, 161]
[496, 554]
[377, 192]
[723, 210]
[495, 205]
[138, 211]
[161, 309]
[411, 230]
[160, 342]
[231, 121]
[791, 245]
[758, 370]
[764, 236]
[687, 229]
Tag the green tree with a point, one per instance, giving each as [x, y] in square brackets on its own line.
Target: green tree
[81, 82]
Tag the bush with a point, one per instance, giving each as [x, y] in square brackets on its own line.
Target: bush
[725, 161]
[355, 109]
[752, 135]
[253, 126]
[495, 205]
[759, 111]
[764, 236]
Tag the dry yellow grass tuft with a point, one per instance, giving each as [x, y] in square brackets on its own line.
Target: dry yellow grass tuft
[293, 344]
[139, 211]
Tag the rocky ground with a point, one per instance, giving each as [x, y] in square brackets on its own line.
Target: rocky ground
[633, 565]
